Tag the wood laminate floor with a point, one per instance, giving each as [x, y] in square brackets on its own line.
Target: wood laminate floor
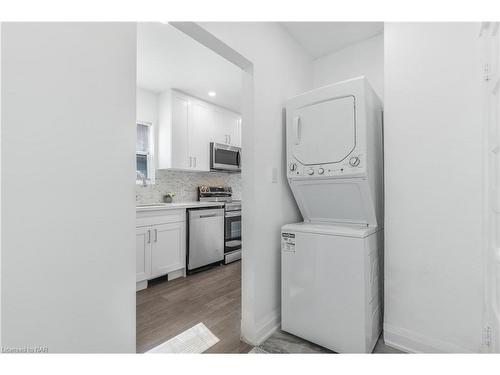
[212, 297]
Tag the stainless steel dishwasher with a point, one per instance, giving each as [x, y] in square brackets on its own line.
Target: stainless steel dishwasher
[205, 237]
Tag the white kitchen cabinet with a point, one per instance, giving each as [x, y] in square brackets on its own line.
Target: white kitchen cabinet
[160, 245]
[142, 253]
[194, 124]
[180, 133]
[226, 128]
[168, 251]
[200, 124]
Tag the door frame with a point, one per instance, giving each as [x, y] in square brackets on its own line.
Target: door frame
[210, 41]
[489, 40]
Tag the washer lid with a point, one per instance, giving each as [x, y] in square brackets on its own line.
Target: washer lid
[323, 132]
[356, 231]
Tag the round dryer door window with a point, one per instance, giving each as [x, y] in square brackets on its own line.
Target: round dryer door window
[324, 132]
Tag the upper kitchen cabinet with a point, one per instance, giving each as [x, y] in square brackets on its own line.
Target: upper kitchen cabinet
[200, 124]
[187, 125]
[227, 128]
[179, 133]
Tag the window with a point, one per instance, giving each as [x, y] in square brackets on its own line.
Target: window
[144, 152]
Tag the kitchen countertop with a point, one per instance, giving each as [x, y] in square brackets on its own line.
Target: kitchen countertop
[177, 205]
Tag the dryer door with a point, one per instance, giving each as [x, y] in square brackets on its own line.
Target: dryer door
[323, 132]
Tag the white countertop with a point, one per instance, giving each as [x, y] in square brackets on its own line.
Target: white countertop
[177, 205]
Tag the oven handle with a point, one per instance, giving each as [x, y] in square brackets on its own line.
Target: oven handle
[233, 213]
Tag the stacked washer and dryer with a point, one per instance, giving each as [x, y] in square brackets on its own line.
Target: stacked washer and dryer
[332, 261]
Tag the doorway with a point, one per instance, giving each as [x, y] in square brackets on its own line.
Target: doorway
[192, 94]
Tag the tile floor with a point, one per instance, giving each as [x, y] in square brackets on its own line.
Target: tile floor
[282, 342]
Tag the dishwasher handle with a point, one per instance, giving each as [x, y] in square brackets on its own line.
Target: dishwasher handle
[206, 213]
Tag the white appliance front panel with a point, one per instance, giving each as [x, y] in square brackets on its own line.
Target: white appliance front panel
[329, 200]
[324, 132]
[331, 290]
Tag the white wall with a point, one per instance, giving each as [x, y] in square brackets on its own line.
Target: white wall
[363, 58]
[147, 106]
[68, 183]
[281, 69]
[433, 187]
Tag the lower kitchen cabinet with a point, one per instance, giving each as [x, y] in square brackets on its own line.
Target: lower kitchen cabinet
[168, 252]
[142, 253]
[160, 250]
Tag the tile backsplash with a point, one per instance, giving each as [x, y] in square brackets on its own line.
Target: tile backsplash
[185, 185]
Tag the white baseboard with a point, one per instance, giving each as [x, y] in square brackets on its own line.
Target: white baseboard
[176, 274]
[264, 330]
[412, 342]
[141, 285]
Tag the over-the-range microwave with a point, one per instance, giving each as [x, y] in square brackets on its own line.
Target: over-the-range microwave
[224, 157]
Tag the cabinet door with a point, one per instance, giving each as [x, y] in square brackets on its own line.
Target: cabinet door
[201, 122]
[235, 132]
[226, 127]
[180, 137]
[168, 248]
[142, 253]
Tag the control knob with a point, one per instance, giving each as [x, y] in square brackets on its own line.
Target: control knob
[321, 170]
[354, 161]
[293, 166]
[310, 171]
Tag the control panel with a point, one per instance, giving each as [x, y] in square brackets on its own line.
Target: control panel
[354, 164]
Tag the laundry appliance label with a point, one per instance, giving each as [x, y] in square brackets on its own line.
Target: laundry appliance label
[288, 241]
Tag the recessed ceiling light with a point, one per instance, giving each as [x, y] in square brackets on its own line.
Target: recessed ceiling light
[212, 93]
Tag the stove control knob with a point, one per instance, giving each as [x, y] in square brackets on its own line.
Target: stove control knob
[354, 161]
[321, 170]
[310, 171]
[293, 167]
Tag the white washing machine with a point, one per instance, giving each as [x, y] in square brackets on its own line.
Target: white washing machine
[331, 263]
[331, 285]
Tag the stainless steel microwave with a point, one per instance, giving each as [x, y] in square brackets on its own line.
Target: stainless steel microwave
[224, 157]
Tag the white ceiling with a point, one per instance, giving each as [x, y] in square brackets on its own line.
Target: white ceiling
[322, 38]
[167, 58]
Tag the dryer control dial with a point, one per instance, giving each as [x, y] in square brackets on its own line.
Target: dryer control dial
[310, 171]
[321, 170]
[293, 166]
[354, 161]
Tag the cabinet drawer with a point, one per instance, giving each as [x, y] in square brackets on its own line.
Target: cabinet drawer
[160, 217]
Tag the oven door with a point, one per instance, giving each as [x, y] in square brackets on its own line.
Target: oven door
[224, 157]
[232, 231]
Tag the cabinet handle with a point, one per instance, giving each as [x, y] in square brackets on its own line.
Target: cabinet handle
[156, 235]
[190, 161]
[149, 235]
[194, 162]
[229, 138]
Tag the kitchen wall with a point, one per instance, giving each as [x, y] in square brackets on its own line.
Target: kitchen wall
[281, 69]
[433, 187]
[68, 212]
[363, 58]
[183, 184]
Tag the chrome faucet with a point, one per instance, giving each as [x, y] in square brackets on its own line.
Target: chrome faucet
[141, 176]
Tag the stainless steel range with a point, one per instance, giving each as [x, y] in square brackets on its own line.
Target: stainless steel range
[232, 218]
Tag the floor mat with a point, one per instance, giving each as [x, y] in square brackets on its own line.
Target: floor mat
[195, 340]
